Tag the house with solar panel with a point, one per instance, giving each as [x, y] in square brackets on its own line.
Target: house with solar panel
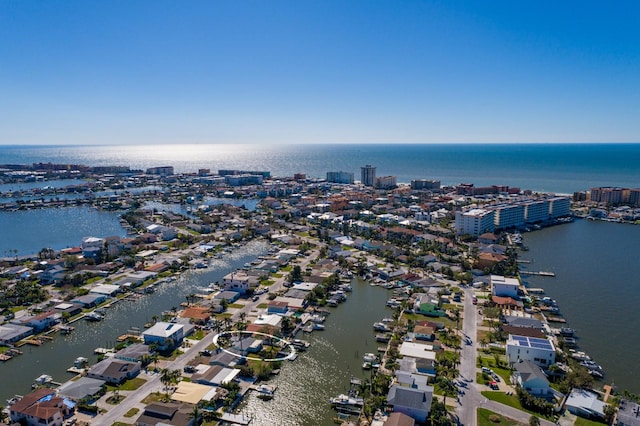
[541, 352]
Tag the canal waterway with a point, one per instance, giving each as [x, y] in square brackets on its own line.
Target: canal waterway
[597, 287]
[324, 371]
[55, 357]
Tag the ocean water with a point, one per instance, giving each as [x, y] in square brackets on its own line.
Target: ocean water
[560, 168]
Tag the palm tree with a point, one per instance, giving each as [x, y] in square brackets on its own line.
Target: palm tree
[165, 378]
[195, 415]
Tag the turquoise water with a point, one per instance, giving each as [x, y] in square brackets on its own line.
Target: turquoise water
[562, 168]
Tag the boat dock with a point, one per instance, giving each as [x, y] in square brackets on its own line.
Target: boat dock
[103, 351]
[539, 273]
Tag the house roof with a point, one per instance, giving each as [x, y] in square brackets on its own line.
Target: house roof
[410, 397]
[163, 329]
[31, 398]
[81, 388]
[399, 419]
[528, 371]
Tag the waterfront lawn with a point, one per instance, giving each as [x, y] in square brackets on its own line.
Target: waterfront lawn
[129, 385]
[487, 418]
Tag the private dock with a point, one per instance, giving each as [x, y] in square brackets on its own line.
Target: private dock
[540, 273]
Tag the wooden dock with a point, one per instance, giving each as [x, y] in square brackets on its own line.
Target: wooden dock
[539, 273]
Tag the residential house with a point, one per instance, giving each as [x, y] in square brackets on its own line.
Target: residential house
[585, 403]
[166, 335]
[414, 402]
[160, 413]
[133, 353]
[11, 333]
[83, 388]
[239, 282]
[41, 407]
[531, 378]
[628, 413]
[215, 375]
[399, 419]
[42, 321]
[542, 352]
[504, 286]
[114, 371]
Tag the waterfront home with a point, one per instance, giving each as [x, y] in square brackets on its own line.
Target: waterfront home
[585, 403]
[414, 402]
[114, 371]
[214, 375]
[41, 407]
[11, 333]
[196, 314]
[399, 419]
[42, 321]
[423, 354]
[239, 281]
[628, 413]
[70, 308]
[92, 247]
[280, 308]
[229, 296]
[90, 300]
[531, 378]
[105, 289]
[84, 388]
[293, 304]
[193, 393]
[133, 353]
[504, 286]
[541, 352]
[165, 335]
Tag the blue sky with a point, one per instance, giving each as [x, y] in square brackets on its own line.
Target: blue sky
[324, 71]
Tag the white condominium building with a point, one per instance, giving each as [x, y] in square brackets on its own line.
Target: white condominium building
[475, 222]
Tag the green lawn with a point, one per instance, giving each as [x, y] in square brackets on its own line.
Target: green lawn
[235, 305]
[487, 418]
[267, 283]
[510, 400]
[198, 335]
[132, 412]
[262, 306]
[585, 422]
[131, 384]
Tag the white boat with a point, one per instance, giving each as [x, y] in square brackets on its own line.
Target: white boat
[346, 400]
[369, 357]
[300, 344]
[380, 326]
[81, 362]
[317, 326]
[93, 316]
[43, 379]
[265, 391]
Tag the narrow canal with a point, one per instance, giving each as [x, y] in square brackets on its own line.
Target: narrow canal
[305, 385]
[53, 358]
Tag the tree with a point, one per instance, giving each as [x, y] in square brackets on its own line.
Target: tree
[534, 421]
[195, 415]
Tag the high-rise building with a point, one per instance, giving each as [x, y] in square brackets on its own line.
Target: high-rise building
[475, 222]
[340, 177]
[385, 182]
[368, 175]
